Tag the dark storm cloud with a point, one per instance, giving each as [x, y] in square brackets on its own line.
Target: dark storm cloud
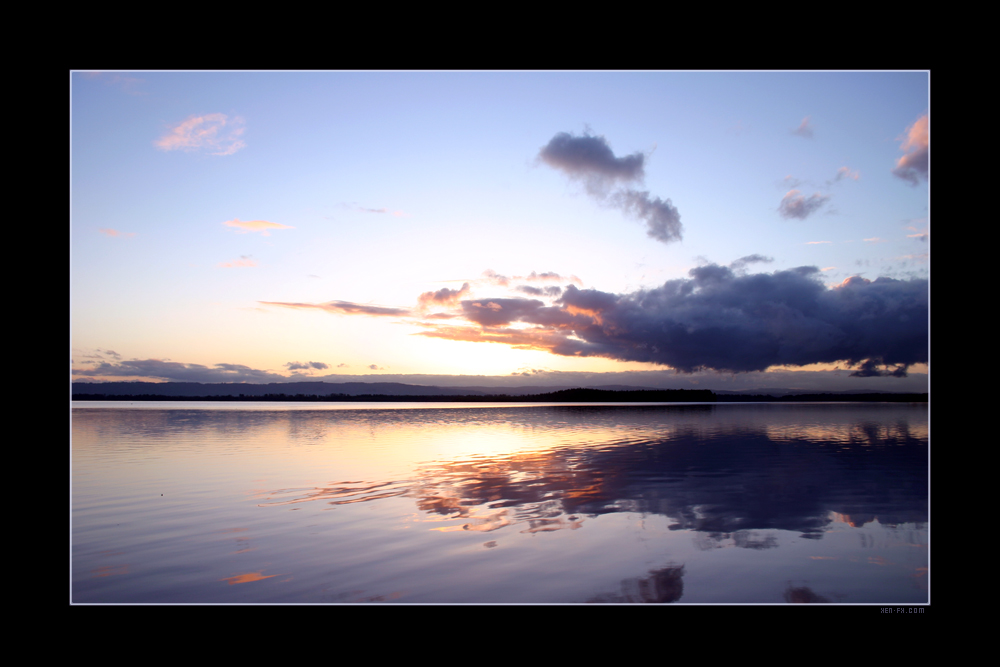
[870, 368]
[720, 320]
[727, 322]
[590, 159]
[796, 205]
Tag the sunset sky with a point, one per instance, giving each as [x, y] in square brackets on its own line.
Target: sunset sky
[262, 227]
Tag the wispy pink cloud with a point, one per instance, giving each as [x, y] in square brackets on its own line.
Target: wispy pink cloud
[114, 232]
[125, 82]
[845, 172]
[398, 214]
[214, 132]
[804, 129]
[242, 262]
[261, 226]
[342, 308]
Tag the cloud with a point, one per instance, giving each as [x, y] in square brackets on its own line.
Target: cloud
[178, 372]
[376, 367]
[870, 368]
[716, 320]
[495, 278]
[804, 129]
[720, 318]
[742, 262]
[662, 220]
[916, 163]
[214, 132]
[341, 308]
[553, 277]
[126, 83]
[114, 232]
[550, 291]
[243, 262]
[442, 297]
[589, 159]
[398, 214]
[261, 226]
[306, 365]
[845, 172]
[795, 205]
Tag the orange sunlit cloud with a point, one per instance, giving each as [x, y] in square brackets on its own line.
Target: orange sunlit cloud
[261, 226]
[916, 144]
[443, 297]
[541, 339]
[341, 307]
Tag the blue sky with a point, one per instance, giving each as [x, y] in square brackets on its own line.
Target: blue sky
[216, 216]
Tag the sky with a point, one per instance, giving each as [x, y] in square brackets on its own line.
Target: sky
[711, 229]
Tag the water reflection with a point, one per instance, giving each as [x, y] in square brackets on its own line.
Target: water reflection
[663, 585]
[580, 503]
[720, 477]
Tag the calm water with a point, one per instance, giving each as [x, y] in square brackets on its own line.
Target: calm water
[723, 503]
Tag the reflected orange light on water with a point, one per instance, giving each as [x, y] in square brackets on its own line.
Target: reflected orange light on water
[247, 577]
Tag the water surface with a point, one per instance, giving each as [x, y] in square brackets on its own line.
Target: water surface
[350, 503]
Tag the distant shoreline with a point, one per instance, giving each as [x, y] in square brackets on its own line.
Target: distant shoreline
[565, 396]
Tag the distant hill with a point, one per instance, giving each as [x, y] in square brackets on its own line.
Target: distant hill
[246, 389]
[390, 391]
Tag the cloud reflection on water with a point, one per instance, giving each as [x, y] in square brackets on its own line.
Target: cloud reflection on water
[720, 479]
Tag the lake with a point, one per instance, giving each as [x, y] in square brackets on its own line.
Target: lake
[470, 503]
